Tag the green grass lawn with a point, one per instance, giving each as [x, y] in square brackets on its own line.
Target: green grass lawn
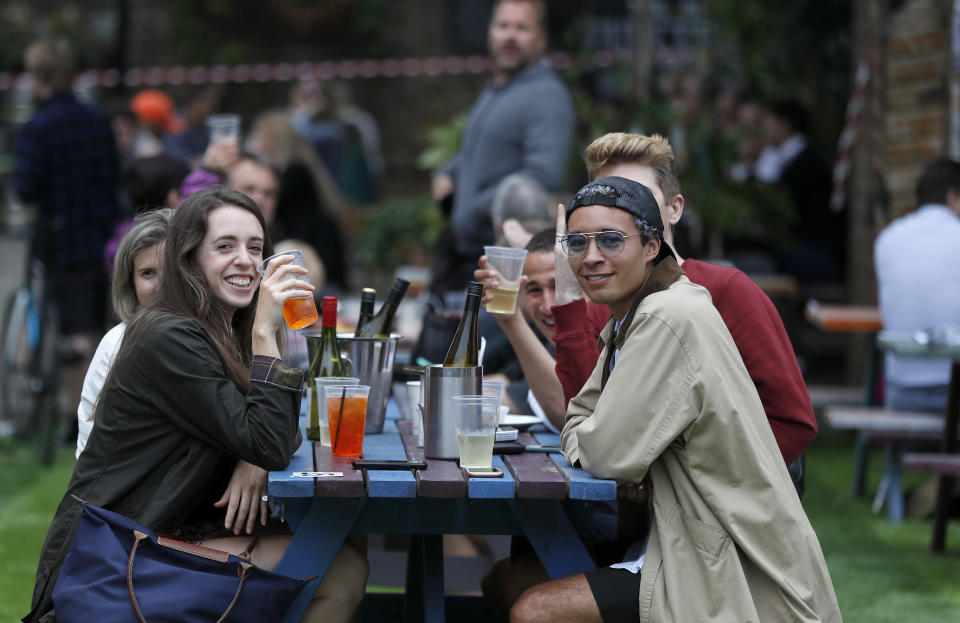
[882, 573]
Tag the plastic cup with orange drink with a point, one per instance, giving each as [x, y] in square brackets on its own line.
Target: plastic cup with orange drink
[346, 416]
[299, 312]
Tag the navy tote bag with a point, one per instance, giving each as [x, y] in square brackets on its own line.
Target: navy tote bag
[118, 570]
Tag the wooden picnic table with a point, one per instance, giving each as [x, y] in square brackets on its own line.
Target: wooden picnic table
[857, 319]
[905, 344]
[324, 499]
[847, 318]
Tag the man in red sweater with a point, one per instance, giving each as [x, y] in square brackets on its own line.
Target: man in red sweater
[748, 313]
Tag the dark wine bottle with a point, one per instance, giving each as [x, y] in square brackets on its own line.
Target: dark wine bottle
[367, 299]
[379, 325]
[326, 362]
[464, 351]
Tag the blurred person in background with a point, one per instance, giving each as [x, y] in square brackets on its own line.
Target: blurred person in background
[522, 122]
[255, 178]
[250, 174]
[314, 119]
[917, 261]
[818, 252]
[66, 165]
[136, 276]
[157, 119]
[521, 208]
[124, 126]
[309, 205]
[150, 183]
[190, 144]
[366, 129]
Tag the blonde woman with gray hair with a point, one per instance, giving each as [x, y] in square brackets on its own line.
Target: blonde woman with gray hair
[136, 276]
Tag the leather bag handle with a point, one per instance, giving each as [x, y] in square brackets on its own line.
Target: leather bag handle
[138, 540]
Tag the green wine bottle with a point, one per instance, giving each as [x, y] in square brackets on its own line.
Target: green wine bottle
[367, 299]
[379, 325]
[464, 351]
[326, 362]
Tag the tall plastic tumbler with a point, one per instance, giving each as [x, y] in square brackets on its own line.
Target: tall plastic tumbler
[476, 429]
[347, 416]
[321, 383]
[298, 313]
[508, 262]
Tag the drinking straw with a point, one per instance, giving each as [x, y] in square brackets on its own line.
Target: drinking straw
[336, 438]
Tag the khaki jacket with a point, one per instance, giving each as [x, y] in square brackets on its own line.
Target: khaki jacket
[730, 540]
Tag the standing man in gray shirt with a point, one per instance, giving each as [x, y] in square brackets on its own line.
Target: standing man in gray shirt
[521, 123]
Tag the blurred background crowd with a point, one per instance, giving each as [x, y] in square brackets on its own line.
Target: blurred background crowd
[346, 108]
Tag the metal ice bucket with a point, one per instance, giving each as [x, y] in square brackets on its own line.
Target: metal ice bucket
[440, 418]
[369, 359]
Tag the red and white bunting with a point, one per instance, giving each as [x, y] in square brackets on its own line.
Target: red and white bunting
[841, 168]
[349, 69]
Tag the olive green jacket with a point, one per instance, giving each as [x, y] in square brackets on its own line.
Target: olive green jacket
[730, 540]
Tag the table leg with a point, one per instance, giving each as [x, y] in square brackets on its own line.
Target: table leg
[871, 374]
[861, 461]
[551, 533]
[894, 474]
[423, 598]
[312, 550]
[945, 484]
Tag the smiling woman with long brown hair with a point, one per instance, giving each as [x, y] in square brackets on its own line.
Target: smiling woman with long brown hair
[197, 386]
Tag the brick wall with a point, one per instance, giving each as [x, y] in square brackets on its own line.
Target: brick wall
[916, 96]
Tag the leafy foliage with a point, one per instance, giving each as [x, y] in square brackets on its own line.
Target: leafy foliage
[443, 141]
[397, 228]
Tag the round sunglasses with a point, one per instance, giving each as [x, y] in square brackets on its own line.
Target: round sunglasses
[610, 243]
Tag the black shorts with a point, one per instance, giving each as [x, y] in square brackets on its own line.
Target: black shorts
[617, 593]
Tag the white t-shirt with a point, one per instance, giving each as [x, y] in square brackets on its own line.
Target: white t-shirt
[917, 260]
[93, 382]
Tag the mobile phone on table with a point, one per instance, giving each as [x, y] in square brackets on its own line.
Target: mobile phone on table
[388, 464]
[492, 472]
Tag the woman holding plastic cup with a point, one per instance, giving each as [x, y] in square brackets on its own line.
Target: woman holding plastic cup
[198, 385]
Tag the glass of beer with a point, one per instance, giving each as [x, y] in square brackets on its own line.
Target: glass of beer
[321, 383]
[346, 416]
[298, 313]
[476, 429]
[508, 263]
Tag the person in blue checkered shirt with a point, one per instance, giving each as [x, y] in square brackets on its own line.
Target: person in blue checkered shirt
[67, 167]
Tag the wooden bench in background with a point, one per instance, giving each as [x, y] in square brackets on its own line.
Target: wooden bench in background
[895, 430]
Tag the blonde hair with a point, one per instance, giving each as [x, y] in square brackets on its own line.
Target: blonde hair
[623, 148]
[281, 145]
[51, 61]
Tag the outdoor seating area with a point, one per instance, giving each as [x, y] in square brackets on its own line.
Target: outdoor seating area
[480, 311]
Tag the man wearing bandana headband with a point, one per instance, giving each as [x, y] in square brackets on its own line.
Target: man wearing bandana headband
[671, 407]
